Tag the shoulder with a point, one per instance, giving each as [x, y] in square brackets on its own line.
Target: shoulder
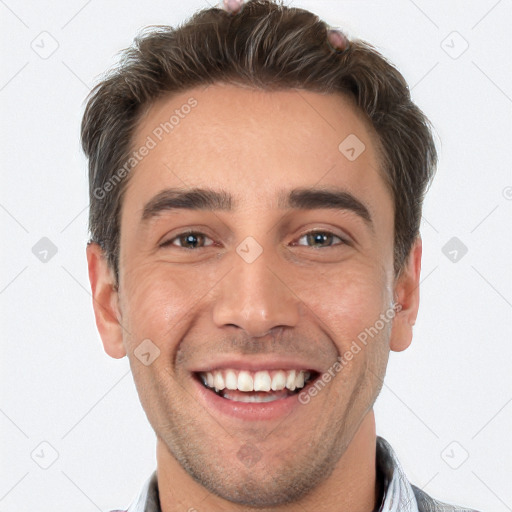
[428, 504]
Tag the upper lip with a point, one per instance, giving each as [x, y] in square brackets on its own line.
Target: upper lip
[256, 363]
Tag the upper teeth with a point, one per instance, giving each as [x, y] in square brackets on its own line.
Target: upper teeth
[243, 380]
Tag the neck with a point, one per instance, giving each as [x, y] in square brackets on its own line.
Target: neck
[352, 485]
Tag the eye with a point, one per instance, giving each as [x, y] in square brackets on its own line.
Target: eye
[188, 240]
[320, 239]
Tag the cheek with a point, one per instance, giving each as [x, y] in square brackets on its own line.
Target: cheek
[159, 298]
[347, 301]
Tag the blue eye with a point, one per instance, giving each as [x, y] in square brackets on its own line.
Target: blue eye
[197, 240]
[320, 239]
[188, 240]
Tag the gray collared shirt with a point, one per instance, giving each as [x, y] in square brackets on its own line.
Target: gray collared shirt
[399, 494]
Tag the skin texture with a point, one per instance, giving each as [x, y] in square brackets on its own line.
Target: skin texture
[302, 298]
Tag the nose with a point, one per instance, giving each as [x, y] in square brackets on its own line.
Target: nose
[256, 297]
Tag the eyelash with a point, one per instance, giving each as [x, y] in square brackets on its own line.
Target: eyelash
[313, 232]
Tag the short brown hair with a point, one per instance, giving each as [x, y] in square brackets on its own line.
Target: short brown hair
[269, 46]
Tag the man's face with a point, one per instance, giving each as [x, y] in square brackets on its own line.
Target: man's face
[252, 288]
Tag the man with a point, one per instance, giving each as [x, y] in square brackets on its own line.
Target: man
[256, 183]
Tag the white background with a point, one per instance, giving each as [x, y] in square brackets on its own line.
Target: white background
[447, 397]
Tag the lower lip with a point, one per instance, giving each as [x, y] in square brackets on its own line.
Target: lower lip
[251, 411]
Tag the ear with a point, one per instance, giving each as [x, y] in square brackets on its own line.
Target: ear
[105, 301]
[407, 295]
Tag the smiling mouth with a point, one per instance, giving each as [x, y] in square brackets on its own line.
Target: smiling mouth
[260, 386]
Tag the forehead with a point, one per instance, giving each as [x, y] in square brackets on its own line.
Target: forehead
[254, 143]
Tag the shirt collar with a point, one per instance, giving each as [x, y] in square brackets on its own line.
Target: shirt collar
[398, 493]
[147, 499]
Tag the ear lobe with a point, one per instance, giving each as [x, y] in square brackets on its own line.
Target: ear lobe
[105, 301]
[407, 295]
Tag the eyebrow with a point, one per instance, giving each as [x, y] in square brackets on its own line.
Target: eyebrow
[212, 200]
[329, 198]
[187, 199]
